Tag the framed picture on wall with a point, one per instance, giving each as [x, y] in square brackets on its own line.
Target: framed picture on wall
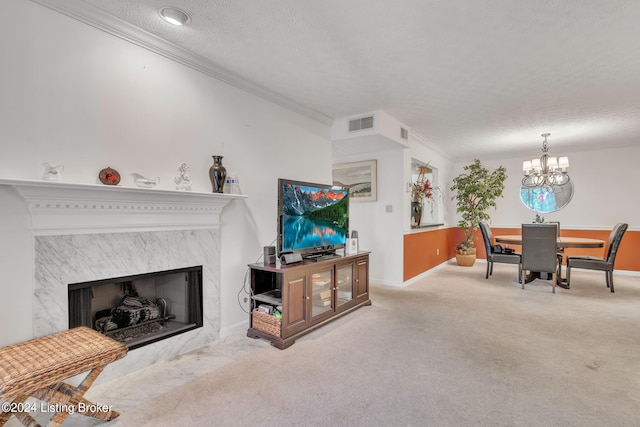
[360, 178]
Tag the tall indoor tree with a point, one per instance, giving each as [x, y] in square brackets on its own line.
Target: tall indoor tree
[476, 190]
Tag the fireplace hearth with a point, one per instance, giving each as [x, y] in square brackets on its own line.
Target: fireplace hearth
[141, 309]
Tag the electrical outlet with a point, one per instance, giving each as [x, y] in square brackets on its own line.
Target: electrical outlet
[388, 208]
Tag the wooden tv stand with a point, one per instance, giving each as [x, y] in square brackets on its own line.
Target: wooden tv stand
[308, 294]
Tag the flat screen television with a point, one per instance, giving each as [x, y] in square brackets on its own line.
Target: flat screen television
[313, 219]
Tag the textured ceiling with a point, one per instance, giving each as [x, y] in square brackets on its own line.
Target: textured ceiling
[476, 78]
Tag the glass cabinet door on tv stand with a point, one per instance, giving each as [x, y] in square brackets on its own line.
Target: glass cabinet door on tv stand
[321, 292]
[344, 284]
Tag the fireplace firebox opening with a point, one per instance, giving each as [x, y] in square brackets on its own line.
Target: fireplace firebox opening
[141, 309]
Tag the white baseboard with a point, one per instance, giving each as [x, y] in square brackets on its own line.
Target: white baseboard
[234, 329]
[425, 274]
[374, 281]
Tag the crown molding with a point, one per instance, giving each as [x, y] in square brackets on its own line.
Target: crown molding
[94, 17]
[421, 140]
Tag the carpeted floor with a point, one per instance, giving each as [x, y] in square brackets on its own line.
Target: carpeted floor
[451, 350]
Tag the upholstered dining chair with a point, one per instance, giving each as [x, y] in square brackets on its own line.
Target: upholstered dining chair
[492, 255]
[539, 250]
[600, 263]
[559, 251]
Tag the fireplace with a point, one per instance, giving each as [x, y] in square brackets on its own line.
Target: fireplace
[84, 233]
[141, 309]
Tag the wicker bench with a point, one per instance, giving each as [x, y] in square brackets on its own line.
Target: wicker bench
[36, 368]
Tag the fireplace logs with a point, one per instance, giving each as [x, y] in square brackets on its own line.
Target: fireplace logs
[138, 310]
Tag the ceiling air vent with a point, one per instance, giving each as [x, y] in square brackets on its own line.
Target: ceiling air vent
[361, 124]
[404, 134]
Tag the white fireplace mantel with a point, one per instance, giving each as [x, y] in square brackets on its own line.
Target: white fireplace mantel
[66, 208]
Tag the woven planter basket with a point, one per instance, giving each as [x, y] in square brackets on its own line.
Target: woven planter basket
[266, 323]
[466, 258]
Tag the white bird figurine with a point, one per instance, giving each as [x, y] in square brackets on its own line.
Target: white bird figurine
[52, 172]
[143, 182]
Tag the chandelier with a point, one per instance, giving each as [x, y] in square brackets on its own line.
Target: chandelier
[545, 172]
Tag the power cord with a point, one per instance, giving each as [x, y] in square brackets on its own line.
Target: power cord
[249, 292]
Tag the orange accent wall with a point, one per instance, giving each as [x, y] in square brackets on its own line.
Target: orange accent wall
[420, 248]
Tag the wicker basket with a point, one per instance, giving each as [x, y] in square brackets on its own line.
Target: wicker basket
[266, 323]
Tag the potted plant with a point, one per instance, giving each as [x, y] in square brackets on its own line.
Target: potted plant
[420, 190]
[476, 190]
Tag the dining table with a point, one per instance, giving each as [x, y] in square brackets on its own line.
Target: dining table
[562, 242]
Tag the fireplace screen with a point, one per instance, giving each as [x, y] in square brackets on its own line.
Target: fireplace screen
[138, 310]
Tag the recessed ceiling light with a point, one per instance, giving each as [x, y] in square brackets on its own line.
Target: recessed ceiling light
[175, 16]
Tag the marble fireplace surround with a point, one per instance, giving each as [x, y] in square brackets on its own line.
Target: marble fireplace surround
[86, 232]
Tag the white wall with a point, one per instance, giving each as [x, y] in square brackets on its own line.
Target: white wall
[605, 190]
[379, 231]
[74, 95]
[382, 232]
[423, 151]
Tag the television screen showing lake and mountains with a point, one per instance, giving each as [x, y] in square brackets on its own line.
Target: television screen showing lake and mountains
[313, 216]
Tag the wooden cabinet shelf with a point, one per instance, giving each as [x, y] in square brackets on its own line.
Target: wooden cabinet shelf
[271, 298]
[307, 295]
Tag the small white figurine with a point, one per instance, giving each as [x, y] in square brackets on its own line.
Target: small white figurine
[52, 172]
[183, 181]
[143, 182]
